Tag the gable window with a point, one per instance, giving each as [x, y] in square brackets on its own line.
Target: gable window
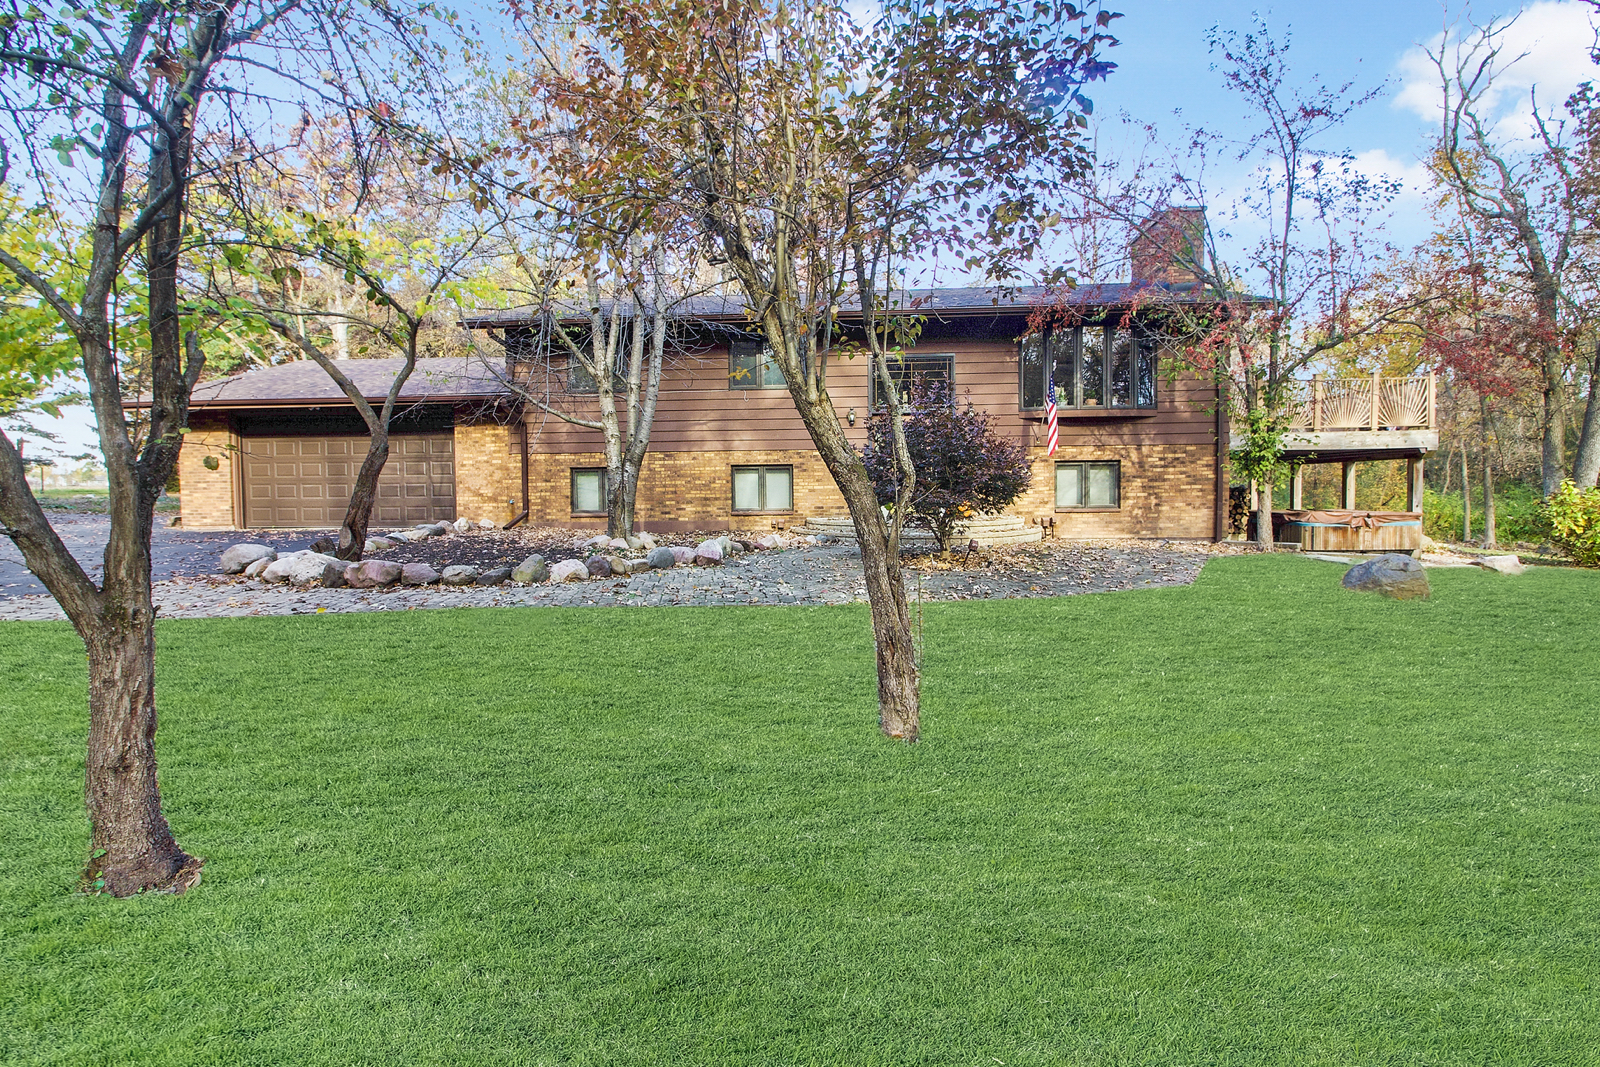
[1088, 485]
[588, 490]
[1095, 367]
[763, 489]
[751, 365]
[904, 370]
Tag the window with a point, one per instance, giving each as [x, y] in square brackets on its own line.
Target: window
[751, 365]
[763, 489]
[906, 369]
[579, 381]
[588, 490]
[1088, 485]
[1094, 367]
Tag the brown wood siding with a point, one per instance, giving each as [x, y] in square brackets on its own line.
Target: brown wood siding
[305, 481]
[698, 411]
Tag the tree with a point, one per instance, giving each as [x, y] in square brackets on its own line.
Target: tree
[814, 152]
[963, 467]
[1256, 319]
[134, 92]
[1530, 203]
[386, 260]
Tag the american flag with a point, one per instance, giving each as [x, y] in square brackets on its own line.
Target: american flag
[1050, 415]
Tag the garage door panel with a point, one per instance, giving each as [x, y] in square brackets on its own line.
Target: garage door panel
[305, 482]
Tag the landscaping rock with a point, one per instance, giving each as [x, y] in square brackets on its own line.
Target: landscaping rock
[598, 567]
[662, 559]
[618, 565]
[278, 570]
[333, 575]
[497, 576]
[647, 541]
[618, 543]
[1395, 576]
[462, 525]
[441, 529]
[638, 566]
[682, 554]
[708, 554]
[403, 536]
[770, 541]
[324, 545]
[634, 544]
[375, 574]
[255, 569]
[237, 558]
[569, 570]
[726, 544]
[486, 524]
[459, 575]
[418, 574]
[309, 567]
[531, 571]
[1502, 564]
[585, 545]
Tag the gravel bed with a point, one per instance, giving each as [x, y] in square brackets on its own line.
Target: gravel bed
[809, 574]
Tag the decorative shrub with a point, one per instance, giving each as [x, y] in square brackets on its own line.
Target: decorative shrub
[963, 468]
[1574, 517]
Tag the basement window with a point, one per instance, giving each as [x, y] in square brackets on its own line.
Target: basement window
[1088, 485]
[763, 489]
[588, 490]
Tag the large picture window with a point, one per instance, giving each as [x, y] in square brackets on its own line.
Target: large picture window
[1088, 485]
[751, 365]
[763, 489]
[588, 490]
[910, 368]
[1095, 368]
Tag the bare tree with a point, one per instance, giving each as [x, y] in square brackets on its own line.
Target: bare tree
[132, 93]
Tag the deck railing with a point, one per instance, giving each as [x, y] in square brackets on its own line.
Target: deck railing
[1374, 403]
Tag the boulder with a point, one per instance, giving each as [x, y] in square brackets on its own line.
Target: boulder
[309, 567]
[486, 524]
[618, 565]
[618, 543]
[418, 574]
[324, 545]
[682, 554]
[772, 540]
[401, 536]
[662, 559]
[647, 541]
[600, 541]
[375, 574]
[726, 544]
[441, 529]
[638, 566]
[1395, 576]
[237, 558]
[334, 575]
[598, 567]
[255, 569]
[737, 547]
[532, 570]
[708, 554]
[569, 570]
[278, 570]
[462, 525]
[371, 545]
[634, 544]
[495, 576]
[420, 533]
[459, 575]
[1503, 564]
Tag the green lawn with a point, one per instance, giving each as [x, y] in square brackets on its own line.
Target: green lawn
[1256, 821]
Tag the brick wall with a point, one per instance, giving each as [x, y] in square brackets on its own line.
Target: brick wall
[205, 495]
[684, 490]
[488, 473]
[1166, 491]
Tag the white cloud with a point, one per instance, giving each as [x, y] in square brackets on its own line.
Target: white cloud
[1545, 51]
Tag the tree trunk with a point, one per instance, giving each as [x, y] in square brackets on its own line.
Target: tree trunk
[131, 848]
[357, 517]
[1264, 515]
[1489, 537]
[899, 685]
[1466, 497]
[1586, 468]
[1553, 458]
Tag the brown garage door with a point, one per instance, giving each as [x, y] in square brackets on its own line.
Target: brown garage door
[306, 482]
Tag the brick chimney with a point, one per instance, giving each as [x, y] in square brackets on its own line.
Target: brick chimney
[1165, 245]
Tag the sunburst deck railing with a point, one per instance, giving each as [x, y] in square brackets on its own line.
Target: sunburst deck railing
[1374, 403]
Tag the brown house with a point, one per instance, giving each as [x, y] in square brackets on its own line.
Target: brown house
[1141, 454]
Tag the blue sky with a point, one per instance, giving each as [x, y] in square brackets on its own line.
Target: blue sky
[1163, 65]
